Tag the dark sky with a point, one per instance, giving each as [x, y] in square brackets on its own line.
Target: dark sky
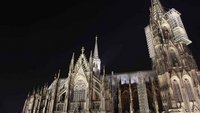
[37, 39]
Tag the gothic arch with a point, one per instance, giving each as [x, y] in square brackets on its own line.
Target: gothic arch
[150, 97]
[174, 57]
[79, 87]
[188, 84]
[79, 91]
[166, 30]
[125, 101]
[79, 77]
[177, 94]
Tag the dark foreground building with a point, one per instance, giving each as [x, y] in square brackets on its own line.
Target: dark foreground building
[172, 86]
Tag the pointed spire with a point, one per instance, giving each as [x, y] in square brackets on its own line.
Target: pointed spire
[72, 61]
[96, 54]
[104, 74]
[41, 90]
[96, 61]
[104, 71]
[156, 9]
[156, 5]
[58, 75]
[28, 94]
[71, 66]
[90, 59]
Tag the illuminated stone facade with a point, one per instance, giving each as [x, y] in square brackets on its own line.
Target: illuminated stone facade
[173, 86]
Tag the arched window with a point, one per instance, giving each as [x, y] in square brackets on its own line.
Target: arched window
[177, 91]
[125, 101]
[174, 57]
[79, 91]
[189, 90]
[62, 97]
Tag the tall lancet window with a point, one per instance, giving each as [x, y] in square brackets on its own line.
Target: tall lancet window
[177, 91]
[79, 91]
[189, 90]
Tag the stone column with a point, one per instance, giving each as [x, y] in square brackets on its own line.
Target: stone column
[119, 97]
[131, 97]
[142, 95]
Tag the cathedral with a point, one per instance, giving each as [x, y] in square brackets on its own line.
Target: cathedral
[172, 86]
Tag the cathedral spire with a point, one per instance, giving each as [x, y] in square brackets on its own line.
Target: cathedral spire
[156, 9]
[96, 60]
[96, 55]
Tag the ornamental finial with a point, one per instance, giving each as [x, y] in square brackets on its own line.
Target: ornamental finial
[82, 50]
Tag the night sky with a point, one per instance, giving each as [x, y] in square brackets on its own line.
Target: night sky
[38, 39]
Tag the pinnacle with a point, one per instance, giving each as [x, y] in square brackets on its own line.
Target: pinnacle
[82, 50]
[96, 55]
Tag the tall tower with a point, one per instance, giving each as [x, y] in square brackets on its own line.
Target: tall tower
[171, 59]
[96, 60]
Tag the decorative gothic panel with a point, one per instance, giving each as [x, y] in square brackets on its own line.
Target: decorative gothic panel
[177, 91]
[79, 91]
[189, 90]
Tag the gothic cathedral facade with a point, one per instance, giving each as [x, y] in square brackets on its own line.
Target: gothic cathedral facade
[172, 86]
